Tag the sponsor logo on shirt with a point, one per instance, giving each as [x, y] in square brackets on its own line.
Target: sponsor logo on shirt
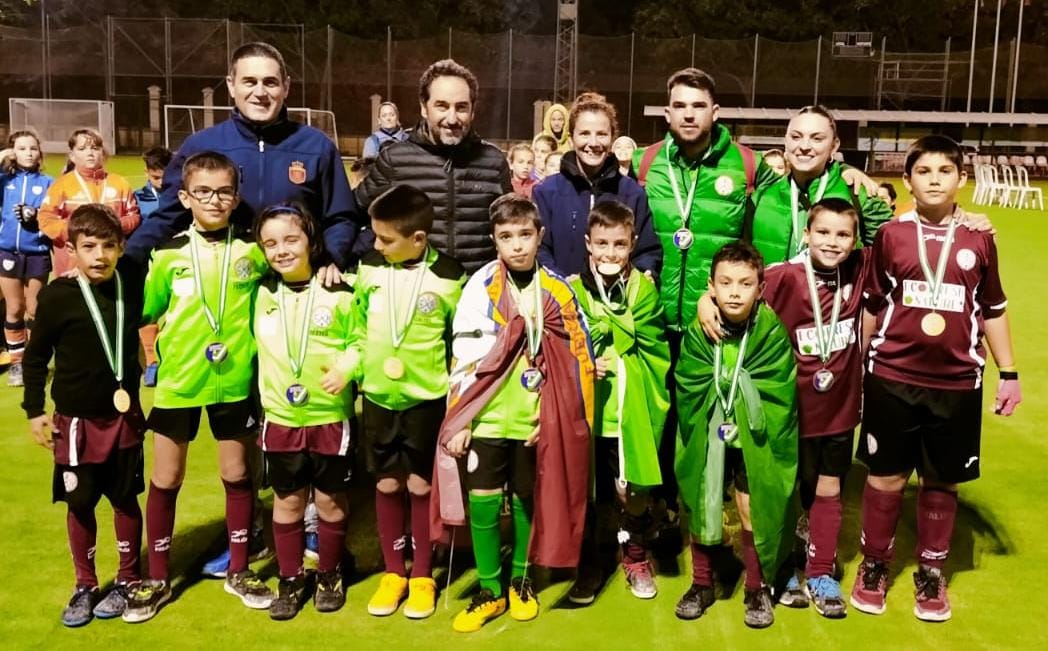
[918, 293]
[808, 343]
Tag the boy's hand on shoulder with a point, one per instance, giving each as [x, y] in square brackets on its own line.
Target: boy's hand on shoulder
[602, 367]
[974, 221]
[1009, 395]
[42, 428]
[72, 273]
[856, 179]
[332, 381]
[330, 275]
[459, 443]
[710, 318]
[533, 438]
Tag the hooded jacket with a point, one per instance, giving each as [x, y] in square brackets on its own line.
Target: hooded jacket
[564, 139]
[565, 200]
[22, 187]
[461, 180]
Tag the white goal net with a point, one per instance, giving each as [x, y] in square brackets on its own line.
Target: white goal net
[182, 120]
[54, 119]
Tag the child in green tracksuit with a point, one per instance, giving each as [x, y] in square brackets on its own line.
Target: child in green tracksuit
[201, 287]
[737, 400]
[406, 291]
[520, 413]
[305, 362]
[626, 325]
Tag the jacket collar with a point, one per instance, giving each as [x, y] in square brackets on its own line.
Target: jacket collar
[275, 131]
[720, 141]
[421, 136]
[606, 179]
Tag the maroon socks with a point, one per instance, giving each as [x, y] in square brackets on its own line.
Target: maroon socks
[422, 565]
[160, 523]
[290, 542]
[880, 515]
[332, 539]
[390, 512]
[701, 568]
[240, 500]
[936, 513]
[754, 579]
[82, 532]
[824, 525]
[127, 522]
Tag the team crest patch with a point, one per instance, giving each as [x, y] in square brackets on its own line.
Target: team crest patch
[871, 444]
[38, 189]
[966, 259]
[242, 268]
[427, 303]
[9, 265]
[69, 481]
[724, 185]
[111, 193]
[296, 172]
[322, 317]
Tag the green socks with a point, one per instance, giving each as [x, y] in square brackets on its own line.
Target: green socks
[521, 535]
[484, 527]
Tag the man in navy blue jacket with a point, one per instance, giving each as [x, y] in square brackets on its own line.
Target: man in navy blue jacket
[280, 160]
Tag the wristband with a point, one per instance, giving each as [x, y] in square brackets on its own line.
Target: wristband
[1008, 375]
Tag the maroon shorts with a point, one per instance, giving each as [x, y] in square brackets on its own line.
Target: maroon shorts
[330, 439]
[92, 440]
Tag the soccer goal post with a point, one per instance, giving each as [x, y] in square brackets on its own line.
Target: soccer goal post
[183, 120]
[54, 119]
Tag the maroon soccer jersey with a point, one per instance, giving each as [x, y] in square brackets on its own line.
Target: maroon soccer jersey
[901, 297]
[837, 409]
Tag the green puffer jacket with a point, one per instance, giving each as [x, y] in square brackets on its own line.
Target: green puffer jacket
[772, 230]
[717, 217]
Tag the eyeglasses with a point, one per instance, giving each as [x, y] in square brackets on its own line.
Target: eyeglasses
[204, 195]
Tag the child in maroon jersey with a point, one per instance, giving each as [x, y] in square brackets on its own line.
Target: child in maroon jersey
[932, 294]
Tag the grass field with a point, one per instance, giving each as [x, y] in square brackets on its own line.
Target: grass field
[998, 561]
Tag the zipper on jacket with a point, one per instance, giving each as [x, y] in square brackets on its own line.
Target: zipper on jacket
[449, 224]
[261, 173]
[680, 290]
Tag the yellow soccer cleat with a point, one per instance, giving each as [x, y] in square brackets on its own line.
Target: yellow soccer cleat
[523, 604]
[391, 590]
[484, 607]
[422, 598]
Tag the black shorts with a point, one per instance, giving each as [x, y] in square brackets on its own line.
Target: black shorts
[933, 431]
[735, 471]
[491, 464]
[401, 443]
[825, 455]
[119, 478]
[287, 472]
[25, 266]
[228, 420]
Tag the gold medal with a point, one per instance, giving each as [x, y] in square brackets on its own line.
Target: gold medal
[393, 368]
[933, 324]
[122, 400]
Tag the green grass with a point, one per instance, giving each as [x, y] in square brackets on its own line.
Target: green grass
[998, 562]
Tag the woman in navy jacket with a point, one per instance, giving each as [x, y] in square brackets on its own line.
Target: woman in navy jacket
[589, 174]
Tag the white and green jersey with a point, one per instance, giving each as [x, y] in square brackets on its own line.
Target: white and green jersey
[186, 344]
[326, 316]
[422, 300]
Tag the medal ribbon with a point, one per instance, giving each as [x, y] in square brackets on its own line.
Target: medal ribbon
[297, 361]
[215, 323]
[683, 208]
[728, 405]
[798, 222]
[533, 324]
[116, 362]
[940, 267]
[823, 335]
[87, 190]
[397, 333]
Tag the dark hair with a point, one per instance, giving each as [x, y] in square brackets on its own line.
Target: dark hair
[513, 208]
[934, 144]
[211, 161]
[819, 109]
[739, 251]
[405, 208]
[92, 136]
[447, 68]
[95, 220]
[305, 220]
[774, 152]
[891, 190]
[593, 103]
[257, 49]
[546, 138]
[15, 135]
[157, 158]
[610, 214]
[692, 78]
[834, 205]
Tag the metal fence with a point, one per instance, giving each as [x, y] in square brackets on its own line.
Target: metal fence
[119, 58]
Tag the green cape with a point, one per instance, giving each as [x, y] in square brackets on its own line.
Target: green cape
[766, 415]
[636, 386]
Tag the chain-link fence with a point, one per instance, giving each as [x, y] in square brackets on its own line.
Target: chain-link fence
[118, 59]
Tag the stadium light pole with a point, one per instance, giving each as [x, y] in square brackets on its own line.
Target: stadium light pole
[1018, 48]
[996, 37]
[971, 58]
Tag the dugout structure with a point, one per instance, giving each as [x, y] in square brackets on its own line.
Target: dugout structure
[54, 119]
[183, 120]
